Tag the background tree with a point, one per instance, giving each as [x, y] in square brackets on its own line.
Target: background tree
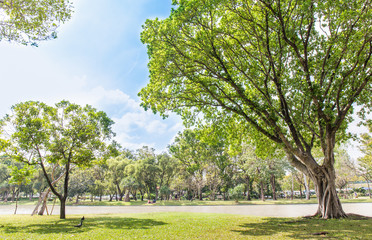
[167, 169]
[29, 22]
[20, 176]
[116, 173]
[81, 181]
[345, 170]
[287, 72]
[192, 153]
[145, 170]
[365, 162]
[66, 135]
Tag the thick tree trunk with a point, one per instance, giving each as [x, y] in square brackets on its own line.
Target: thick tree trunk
[62, 214]
[329, 205]
[127, 197]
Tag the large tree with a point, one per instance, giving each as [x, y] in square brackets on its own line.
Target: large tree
[31, 21]
[64, 136]
[287, 71]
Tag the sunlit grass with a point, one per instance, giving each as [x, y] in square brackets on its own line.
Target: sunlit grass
[180, 226]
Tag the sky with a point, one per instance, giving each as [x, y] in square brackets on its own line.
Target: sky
[97, 59]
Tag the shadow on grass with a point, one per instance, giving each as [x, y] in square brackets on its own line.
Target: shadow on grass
[303, 228]
[67, 225]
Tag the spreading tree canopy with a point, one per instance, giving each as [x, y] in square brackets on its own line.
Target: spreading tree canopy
[31, 21]
[286, 71]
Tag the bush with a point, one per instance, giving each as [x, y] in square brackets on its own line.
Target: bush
[237, 192]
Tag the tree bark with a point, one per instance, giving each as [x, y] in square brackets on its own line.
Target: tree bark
[5, 199]
[17, 195]
[292, 188]
[329, 205]
[306, 183]
[273, 188]
[127, 197]
[262, 191]
[44, 201]
[247, 178]
[62, 214]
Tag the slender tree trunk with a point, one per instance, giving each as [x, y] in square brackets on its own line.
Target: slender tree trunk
[272, 181]
[306, 183]
[369, 190]
[6, 196]
[44, 201]
[262, 191]
[301, 191]
[156, 193]
[247, 178]
[292, 188]
[13, 194]
[17, 195]
[134, 194]
[200, 193]
[31, 196]
[54, 203]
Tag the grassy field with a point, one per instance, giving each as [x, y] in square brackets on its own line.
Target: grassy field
[180, 226]
[190, 203]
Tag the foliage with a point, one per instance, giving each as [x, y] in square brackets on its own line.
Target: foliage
[57, 139]
[31, 21]
[286, 72]
[21, 175]
[236, 193]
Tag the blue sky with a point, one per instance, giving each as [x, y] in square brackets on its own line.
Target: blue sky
[97, 59]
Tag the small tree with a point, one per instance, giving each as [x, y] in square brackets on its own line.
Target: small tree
[20, 176]
[236, 193]
[164, 192]
[66, 136]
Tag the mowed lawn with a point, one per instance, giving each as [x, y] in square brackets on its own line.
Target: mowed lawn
[180, 226]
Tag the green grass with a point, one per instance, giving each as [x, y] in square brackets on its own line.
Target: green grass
[180, 226]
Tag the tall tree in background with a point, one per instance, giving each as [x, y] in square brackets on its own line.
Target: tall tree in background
[288, 71]
[66, 135]
[31, 21]
[365, 163]
[192, 153]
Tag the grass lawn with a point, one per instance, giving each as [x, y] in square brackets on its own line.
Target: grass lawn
[180, 226]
